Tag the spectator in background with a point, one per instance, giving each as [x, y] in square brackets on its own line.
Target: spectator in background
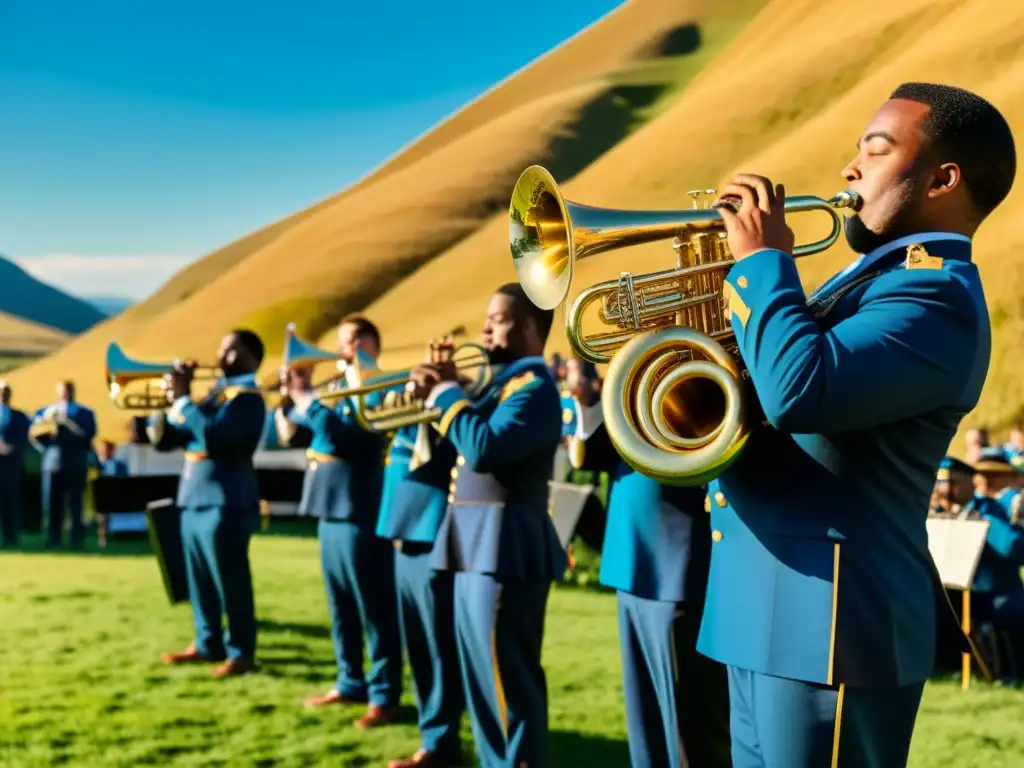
[556, 365]
[977, 439]
[13, 439]
[1014, 446]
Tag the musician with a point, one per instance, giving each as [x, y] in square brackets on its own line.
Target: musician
[821, 582]
[13, 440]
[411, 510]
[997, 593]
[497, 537]
[219, 499]
[343, 487]
[66, 453]
[996, 478]
[657, 545]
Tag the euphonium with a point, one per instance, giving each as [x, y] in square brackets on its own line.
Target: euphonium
[123, 372]
[673, 397]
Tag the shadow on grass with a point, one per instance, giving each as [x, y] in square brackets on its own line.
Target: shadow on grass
[571, 748]
[302, 629]
[35, 544]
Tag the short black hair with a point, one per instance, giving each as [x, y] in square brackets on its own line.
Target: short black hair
[544, 318]
[364, 327]
[965, 129]
[251, 342]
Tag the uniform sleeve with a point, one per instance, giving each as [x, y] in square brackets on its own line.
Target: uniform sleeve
[89, 427]
[352, 442]
[236, 425]
[524, 422]
[910, 348]
[1006, 539]
[166, 430]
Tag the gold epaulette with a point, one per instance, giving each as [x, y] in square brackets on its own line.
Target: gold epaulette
[919, 258]
[517, 383]
[230, 393]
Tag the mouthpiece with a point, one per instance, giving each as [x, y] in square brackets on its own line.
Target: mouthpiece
[848, 199]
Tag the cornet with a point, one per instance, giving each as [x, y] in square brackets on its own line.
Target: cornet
[399, 406]
[673, 399]
[123, 373]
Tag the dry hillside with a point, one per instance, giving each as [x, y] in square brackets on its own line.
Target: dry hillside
[660, 97]
[23, 337]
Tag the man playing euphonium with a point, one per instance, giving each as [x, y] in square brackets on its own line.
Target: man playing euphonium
[822, 596]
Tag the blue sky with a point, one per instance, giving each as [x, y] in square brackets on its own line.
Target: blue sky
[136, 136]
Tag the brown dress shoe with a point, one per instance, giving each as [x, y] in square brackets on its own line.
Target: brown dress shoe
[375, 717]
[189, 656]
[333, 696]
[233, 668]
[422, 759]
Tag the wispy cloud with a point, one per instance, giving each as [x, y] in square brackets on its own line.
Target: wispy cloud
[132, 277]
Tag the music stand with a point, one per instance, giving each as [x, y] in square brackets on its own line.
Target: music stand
[956, 547]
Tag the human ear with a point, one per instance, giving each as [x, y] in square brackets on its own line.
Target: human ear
[947, 178]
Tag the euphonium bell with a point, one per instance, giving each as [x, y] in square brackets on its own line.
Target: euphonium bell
[673, 397]
[123, 372]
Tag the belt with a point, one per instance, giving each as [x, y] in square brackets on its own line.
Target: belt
[321, 458]
[193, 456]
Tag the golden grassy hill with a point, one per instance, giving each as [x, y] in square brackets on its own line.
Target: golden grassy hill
[345, 252]
[660, 97]
[20, 337]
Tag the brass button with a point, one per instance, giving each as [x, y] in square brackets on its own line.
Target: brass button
[461, 460]
[312, 465]
[742, 282]
[720, 499]
[451, 498]
[455, 473]
[707, 503]
[716, 536]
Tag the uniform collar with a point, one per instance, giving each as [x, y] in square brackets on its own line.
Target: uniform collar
[865, 262]
[517, 367]
[244, 381]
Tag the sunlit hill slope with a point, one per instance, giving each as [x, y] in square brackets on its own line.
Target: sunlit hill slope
[658, 98]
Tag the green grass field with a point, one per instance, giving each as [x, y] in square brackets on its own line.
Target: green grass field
[80, 683]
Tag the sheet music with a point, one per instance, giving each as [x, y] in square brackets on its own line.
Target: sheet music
[956, 547]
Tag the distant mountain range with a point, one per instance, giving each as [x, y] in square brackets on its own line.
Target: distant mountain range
[21, 295]
[109, 305]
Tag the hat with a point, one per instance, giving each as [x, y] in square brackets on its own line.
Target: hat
[993, 460]
[949, 465]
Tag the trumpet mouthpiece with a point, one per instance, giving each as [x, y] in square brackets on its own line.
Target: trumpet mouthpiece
[852, 200]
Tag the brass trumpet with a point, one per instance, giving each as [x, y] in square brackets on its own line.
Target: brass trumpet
[673, 395]
[399, 407]
[123, 372]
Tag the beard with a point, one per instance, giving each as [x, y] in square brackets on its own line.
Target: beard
[897, 214]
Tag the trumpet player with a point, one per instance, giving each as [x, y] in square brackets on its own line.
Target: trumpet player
[822, 599]
[66, 449]
[497, 537]
[413, 505]
[13, 440]
[343, 485]
[219, 500]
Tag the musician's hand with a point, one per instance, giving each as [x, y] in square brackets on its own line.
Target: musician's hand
[760, 222]
[179, 380]
[424, 378]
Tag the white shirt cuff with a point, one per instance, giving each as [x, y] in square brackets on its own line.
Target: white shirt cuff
[437, 391]
[588, 419]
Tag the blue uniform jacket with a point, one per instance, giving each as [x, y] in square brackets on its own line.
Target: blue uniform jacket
[414, 501]
[14, 426]
[220, 434]
[345, 475]
[820, 569]
[657, 543]
[998, 572]
[497, 521]
[68, 450]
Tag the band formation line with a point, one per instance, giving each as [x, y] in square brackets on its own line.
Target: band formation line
[775, 459]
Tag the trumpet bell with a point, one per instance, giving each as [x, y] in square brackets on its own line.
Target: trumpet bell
[299, 353]
[122, 369]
